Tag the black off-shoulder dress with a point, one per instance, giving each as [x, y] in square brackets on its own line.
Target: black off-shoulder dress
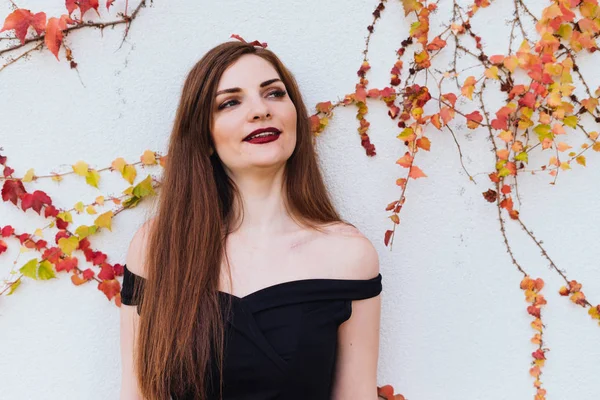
[281, 340]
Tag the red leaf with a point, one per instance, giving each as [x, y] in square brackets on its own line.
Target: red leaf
[61, 234]
[67, 264]
[388, 235]
[35, 200]
[106, 272]
[84, 244]
[119, 269]
[88, 274]
[7, 231]
[528, 100]
[52, 254]
[12, 190]
[7, 171]
[3, 246]
[533, 310]
[50, 211]
[21, 19]
[60, 224]
[83, 5]
[538, 355]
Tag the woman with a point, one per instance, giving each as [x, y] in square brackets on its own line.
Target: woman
[246, 283]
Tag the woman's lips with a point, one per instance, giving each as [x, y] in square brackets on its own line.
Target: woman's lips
[265, 139]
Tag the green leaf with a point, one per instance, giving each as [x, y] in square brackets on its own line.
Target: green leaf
[405, 133]
[144, 188]
[30, 268]
[522, 156]
[543, 131]
[504, 172]
[571, 121]
[46, 271]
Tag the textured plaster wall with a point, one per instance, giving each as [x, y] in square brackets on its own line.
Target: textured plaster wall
[454, 323]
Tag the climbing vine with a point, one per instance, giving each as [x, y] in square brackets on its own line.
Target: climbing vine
[546, 98]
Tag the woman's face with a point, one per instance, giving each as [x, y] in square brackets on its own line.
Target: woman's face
[250, 95]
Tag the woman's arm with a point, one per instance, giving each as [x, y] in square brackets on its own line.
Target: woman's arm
[358, 337]
[129, 319]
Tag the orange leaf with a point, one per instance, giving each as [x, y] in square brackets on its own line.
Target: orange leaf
[468, 87]
[54, 32]
[405, 160]
[110, 288]
[415, 172]
[424, 143]
[473, 119]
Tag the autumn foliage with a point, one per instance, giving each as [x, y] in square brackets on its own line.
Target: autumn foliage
[545, 99]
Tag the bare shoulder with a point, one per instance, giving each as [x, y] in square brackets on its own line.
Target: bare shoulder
[135, 258]
[353, 255]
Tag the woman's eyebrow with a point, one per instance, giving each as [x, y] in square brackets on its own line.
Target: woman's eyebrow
[237, 89]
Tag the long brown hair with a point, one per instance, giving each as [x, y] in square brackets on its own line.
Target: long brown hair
[181, 329]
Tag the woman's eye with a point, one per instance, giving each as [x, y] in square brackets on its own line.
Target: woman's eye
[277, 93]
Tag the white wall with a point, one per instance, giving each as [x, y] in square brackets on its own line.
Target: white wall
[454, 323]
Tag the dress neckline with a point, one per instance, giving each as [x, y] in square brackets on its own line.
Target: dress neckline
[296, 282]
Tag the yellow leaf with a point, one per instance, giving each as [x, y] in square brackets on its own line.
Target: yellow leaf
[79, 207]
[100, 200]
[492, 72]
[92, 178]
[565, 165]
[596, 146]
[90, 210]
[57, 178]
[14, 287]
[148, 158]
[506, 136]
[84, 231]
[581, 160]
[39, 233]
[104, 220]
[28, 175]
[129, 173]
[118, 164]
[80, 168]
[65, 216]
[67, 245]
